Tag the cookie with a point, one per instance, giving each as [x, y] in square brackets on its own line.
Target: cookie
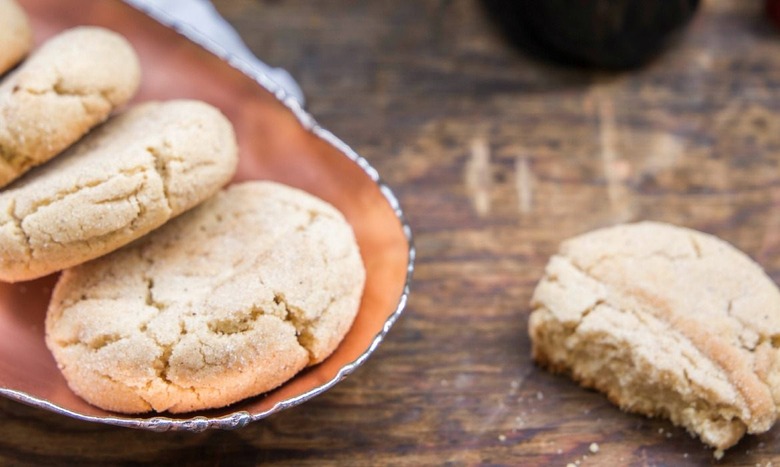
[72, 83]
[15, 35]
[225, 302]
[126, 178]
[667, 322]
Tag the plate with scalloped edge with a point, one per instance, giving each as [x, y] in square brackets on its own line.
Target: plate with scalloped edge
[278, 141]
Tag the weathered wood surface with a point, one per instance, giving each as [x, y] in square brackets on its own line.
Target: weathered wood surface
[496, 157]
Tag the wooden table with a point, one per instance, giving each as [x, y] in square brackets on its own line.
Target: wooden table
[496, 157]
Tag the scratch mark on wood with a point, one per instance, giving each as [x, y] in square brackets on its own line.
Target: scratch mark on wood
[616, 171]
[524, 181]
[478, 177]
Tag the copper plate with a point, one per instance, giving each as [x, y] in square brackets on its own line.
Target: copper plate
[278, 141]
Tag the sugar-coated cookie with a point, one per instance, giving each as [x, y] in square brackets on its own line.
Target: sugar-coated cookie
[667, 322]
[225, 302]
[126, 178]
[15, 34]
[69, 85]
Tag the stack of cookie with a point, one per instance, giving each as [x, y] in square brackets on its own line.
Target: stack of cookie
[242, 290]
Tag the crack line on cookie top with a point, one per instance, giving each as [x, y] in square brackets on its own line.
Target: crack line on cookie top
[313, 216]
[189, 168]
[103, 340]
[149, 297]
[696, 246]
[62, 194]
[59, 89]
[141, 214]
[588, 310]
[162, 364]
[294, 316]
[160, 166]
[17, 221]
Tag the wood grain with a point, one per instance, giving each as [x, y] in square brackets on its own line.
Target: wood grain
[496, 157]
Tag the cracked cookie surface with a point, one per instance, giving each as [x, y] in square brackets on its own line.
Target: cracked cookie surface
[65, 88]
[667, 322]
[15, 34]
[227, 301]
[126, 178]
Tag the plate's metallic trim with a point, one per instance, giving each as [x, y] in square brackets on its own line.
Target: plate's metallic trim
[226, 43]
[241, 418]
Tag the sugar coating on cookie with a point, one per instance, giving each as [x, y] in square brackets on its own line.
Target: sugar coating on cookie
[126, 178]
[225, 302]
[667, 322]
[16, 38]
[69, 85]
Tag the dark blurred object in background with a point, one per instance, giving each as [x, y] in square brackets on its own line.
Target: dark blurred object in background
[615, 34]
[773, 11]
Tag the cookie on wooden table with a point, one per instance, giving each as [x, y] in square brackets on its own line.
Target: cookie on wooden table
[124, 179]
[15, 35]
[225, 302]
[667, 322]
[69, 85]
